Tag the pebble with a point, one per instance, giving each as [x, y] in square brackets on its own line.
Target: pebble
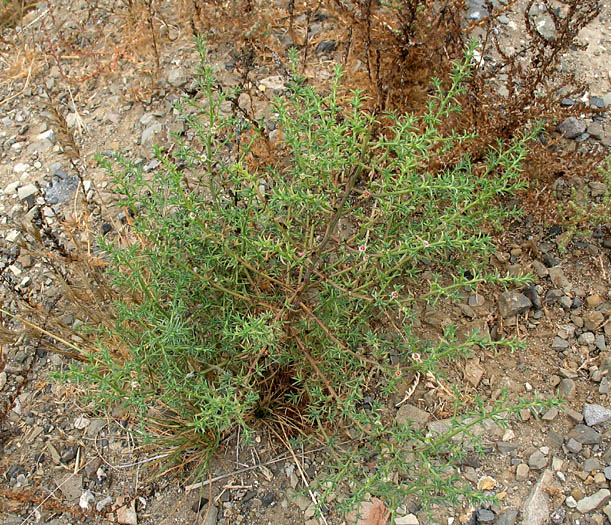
[410, 519]
[509, 517]
[566, 389]
[326, 46]
[587, 338]
[27, 191]
[591, 464]
[574, 446]
[590, 503]
[513, 303]
[485, 516]
[595, 414]
[412, 416]
[536, 507]
[559, 343]
[551, 414]
[584, 435]
[522, 472]
[556, 274]
[537, 460]
[177, 77]
[572, 127]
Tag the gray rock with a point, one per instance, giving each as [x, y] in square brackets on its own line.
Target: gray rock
[509, 517]
[177, 77]
[537, 460]
[513, 303]
[574, 446]
[551, 414]
[595, 414]
[591, 464]
[71, 486]
[412, 416]
[566, 302]
[607, 472]
[599, 342]
[590, 503]
[587, 338]
[148, 135]
[566, 389]
[598, 102]
[556, 274]
[522, 472]
[596, 130]
[27, 191]
[557, 517]
[485, 516]
[559, 344]
[61, 188]
[326, 46]
[572, 127]
[536, 507]
[584, 435]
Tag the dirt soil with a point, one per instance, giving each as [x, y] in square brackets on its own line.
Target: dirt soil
[61, 464]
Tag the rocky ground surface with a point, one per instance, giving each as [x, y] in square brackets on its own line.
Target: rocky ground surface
[60, 464]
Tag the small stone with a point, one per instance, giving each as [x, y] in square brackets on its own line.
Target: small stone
[537, 460]
[81, 422]
[177, 77]
[473, 372]
[410, 519]
[525, 414]
[566, 302]
[570, 502]
[595, 414]
[513, 303]
[509, 435]
[559, 344]
[590, 503]
[99, 506]
[550, 414]
[27, 191]
[591, 464]
[604, 386]
[556, 274]
[485, 516]
[412, 416]
[148, 135]
[594, 300]
[509, 517]
[593, 320]
[586, 339]
[566, 389]
[486, 483]
[126, 515]
[572, 127]
[574, 446]
[86, 498]
[326, 46]
[599, 342]
[536, 507]
[596, 130]
[585, 435]
[575, 416]
[522, 472]
[71, 486]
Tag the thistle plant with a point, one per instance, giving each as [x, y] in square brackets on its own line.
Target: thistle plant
[282, 293]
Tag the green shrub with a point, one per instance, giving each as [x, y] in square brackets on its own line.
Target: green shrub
[283, 295]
